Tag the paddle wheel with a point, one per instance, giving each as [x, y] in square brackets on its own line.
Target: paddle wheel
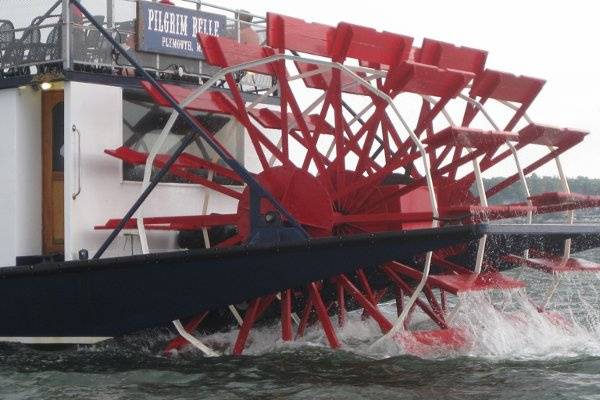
[371, 134]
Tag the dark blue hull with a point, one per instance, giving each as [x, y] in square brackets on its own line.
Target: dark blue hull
[113, 297]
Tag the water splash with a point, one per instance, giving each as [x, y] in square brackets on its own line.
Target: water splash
[497, 325]
[517, 330]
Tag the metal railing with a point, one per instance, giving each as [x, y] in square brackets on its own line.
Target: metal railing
[30, 41]
[30, 44]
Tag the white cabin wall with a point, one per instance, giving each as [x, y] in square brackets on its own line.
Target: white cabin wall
[29, 172]
[20, 174]
[96, 110]
[8, 220]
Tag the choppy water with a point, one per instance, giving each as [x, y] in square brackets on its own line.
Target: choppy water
[516, 353]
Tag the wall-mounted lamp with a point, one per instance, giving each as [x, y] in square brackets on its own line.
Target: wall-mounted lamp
[46, 81]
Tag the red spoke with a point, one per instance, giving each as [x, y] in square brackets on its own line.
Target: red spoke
[526, 171]
[444, 301]
[286, 315]
[407, 289]
[340, 149]
[383, 217]
[364, 282]
[369, 307]
[179, 222]
[311, 143]
[389, 126]
[420, 182]
[318, 128]
[217, 187]
[305, 316]
[243, 117]
[352, 146]
[376, 178]
[435, 306]
[439, 160]
[249, 319]
[323, 316]
[264, 304]
[284, 114]
[341, 301]
[232, 241]
[399, 299]
[257, 138]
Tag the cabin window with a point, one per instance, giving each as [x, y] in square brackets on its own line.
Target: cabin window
[143, 122]
[58, 138]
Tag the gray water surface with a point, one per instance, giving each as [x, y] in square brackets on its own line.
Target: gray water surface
[512, 359]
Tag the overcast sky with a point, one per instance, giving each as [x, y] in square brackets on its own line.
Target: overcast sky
[553, 40]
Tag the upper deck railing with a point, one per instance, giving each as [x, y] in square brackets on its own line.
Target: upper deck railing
[40, 36]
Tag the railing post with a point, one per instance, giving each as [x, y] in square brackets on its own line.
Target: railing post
[238, 27]
[66, 35]
[110, 13]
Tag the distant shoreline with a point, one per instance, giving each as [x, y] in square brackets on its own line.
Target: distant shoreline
[539, 184]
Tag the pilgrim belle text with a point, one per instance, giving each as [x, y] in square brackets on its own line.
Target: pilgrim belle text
[177, 24]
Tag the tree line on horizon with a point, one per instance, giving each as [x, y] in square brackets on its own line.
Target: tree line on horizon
[537, 185]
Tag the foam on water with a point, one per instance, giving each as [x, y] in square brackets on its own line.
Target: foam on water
[498, 325]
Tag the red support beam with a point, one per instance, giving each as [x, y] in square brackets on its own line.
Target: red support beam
[305, 316]
[408, 290]
[364, 282]
[444, 301]
[256, 136]
[265, 304]
[286, 315]
[435, 306]
[341, 302]
[399, 299]
[369, 307]
[323, 316]
[249, 319]
[310, 142]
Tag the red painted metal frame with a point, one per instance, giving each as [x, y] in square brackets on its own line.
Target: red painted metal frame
[177, 223]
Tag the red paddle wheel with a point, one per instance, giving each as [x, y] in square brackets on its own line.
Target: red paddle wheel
[344, 154]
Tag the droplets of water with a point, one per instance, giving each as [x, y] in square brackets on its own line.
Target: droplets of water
[495, 324]
[519, 331]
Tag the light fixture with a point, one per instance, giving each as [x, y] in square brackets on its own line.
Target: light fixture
[46, 85]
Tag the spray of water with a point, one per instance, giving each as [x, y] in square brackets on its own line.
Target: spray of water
[496, 325]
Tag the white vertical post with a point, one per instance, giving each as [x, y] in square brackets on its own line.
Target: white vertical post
[570, 213]
[66, 35]
[239, 26]
[484, 203]
[110, 13]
